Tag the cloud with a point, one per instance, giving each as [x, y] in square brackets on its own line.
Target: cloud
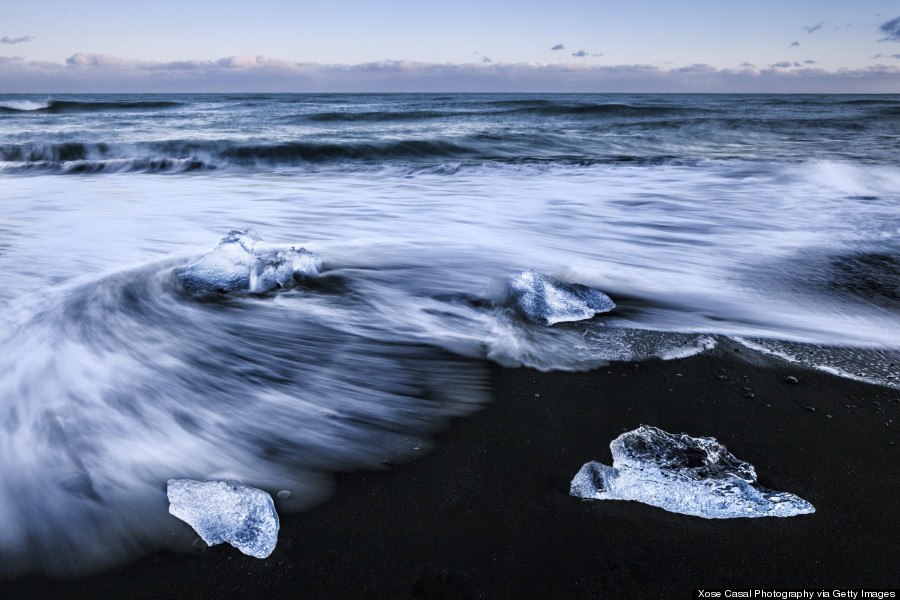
[746, 64]
[813, 28]
[786, 64]
[809, 62]
[579, 54]
[98, 73]
[558, 47]
[8, 40]
[254, 62]
[176, 66]
[891, 30]
[486, 59]
[93, 60]
[696, 68]
[597, 54]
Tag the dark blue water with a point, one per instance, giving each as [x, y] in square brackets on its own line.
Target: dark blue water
[772, 220]
[194, 132]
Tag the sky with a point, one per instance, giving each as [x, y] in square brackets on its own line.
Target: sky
[398, 45]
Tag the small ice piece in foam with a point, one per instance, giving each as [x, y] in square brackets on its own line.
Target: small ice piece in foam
[236, 265]
[225, 511]
[283, 268]
[682, 474]
[546, 301]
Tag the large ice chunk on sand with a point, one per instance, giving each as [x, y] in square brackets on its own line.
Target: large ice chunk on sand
[682, 474]
[224, 511]
[237, 264]
[546, 301]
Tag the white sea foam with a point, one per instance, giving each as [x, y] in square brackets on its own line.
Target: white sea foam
[710, 250]
[872, 365]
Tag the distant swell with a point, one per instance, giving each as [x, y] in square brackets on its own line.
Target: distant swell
[870, 101]
[522, 102]
[605, 110]
[338, 117]
[70, 106]
[512, 108]
[304, 152]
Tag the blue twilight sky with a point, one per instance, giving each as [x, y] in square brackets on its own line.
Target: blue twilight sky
[400, 45]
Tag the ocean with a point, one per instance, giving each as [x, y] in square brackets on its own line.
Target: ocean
[771, 220]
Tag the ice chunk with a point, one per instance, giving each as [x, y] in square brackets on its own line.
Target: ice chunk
[227, 267]
[303, 262]
[682, 474]
[546, 301]
[236, 265]
[224, 511]
[283, 268]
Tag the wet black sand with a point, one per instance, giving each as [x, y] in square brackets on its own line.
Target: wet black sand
[487, 514]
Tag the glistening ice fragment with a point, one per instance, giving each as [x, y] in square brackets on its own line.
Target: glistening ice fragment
[282, 269]
[546, 301]
[224, 511]
[237, 264]
[683, 474]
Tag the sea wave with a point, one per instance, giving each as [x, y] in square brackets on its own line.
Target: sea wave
[23, 105]
[505, 110]
[350, 117]
[78, 157]
[870, 101]
[415, 154]
[69, 106]
[607, 110]
[180, 156]
[144, 133]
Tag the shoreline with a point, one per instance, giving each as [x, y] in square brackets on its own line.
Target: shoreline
[486, 513]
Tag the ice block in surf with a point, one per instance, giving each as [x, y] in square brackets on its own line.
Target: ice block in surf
[547, 301]
[237, 264]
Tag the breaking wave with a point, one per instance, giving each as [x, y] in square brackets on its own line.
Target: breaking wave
[182, 156]
[75, 106]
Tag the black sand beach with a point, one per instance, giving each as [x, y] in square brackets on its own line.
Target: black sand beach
[486, 513]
